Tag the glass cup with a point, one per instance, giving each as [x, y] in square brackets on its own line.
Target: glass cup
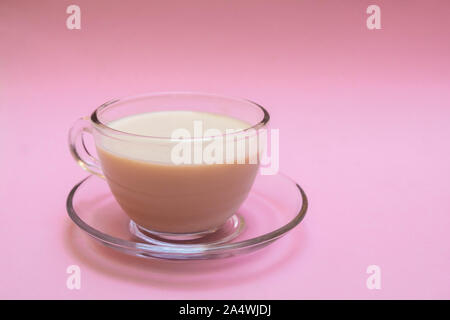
[160, 195]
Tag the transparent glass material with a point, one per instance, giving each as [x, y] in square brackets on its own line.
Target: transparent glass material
[155, 208]
[275, 205]
[163, 198]
[97, 124]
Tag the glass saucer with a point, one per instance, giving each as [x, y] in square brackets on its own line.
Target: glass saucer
[275, 205]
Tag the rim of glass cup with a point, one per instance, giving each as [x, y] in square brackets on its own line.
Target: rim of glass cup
[95, 118]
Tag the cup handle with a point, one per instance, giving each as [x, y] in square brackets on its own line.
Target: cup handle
[78, 147]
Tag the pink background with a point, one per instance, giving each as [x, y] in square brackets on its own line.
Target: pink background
[364, 128]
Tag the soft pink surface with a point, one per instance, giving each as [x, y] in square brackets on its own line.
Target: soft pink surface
[364, 127]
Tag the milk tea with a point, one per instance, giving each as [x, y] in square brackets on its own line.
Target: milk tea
[164, 197]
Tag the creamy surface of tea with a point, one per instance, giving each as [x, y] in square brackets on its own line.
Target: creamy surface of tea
[163, 123]
[162, 196]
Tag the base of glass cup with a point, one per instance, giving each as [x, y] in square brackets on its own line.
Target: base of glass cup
[225, 233]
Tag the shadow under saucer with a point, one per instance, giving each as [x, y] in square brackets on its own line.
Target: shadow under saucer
[186, 274]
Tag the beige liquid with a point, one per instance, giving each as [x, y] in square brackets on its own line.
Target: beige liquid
[164, 197]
